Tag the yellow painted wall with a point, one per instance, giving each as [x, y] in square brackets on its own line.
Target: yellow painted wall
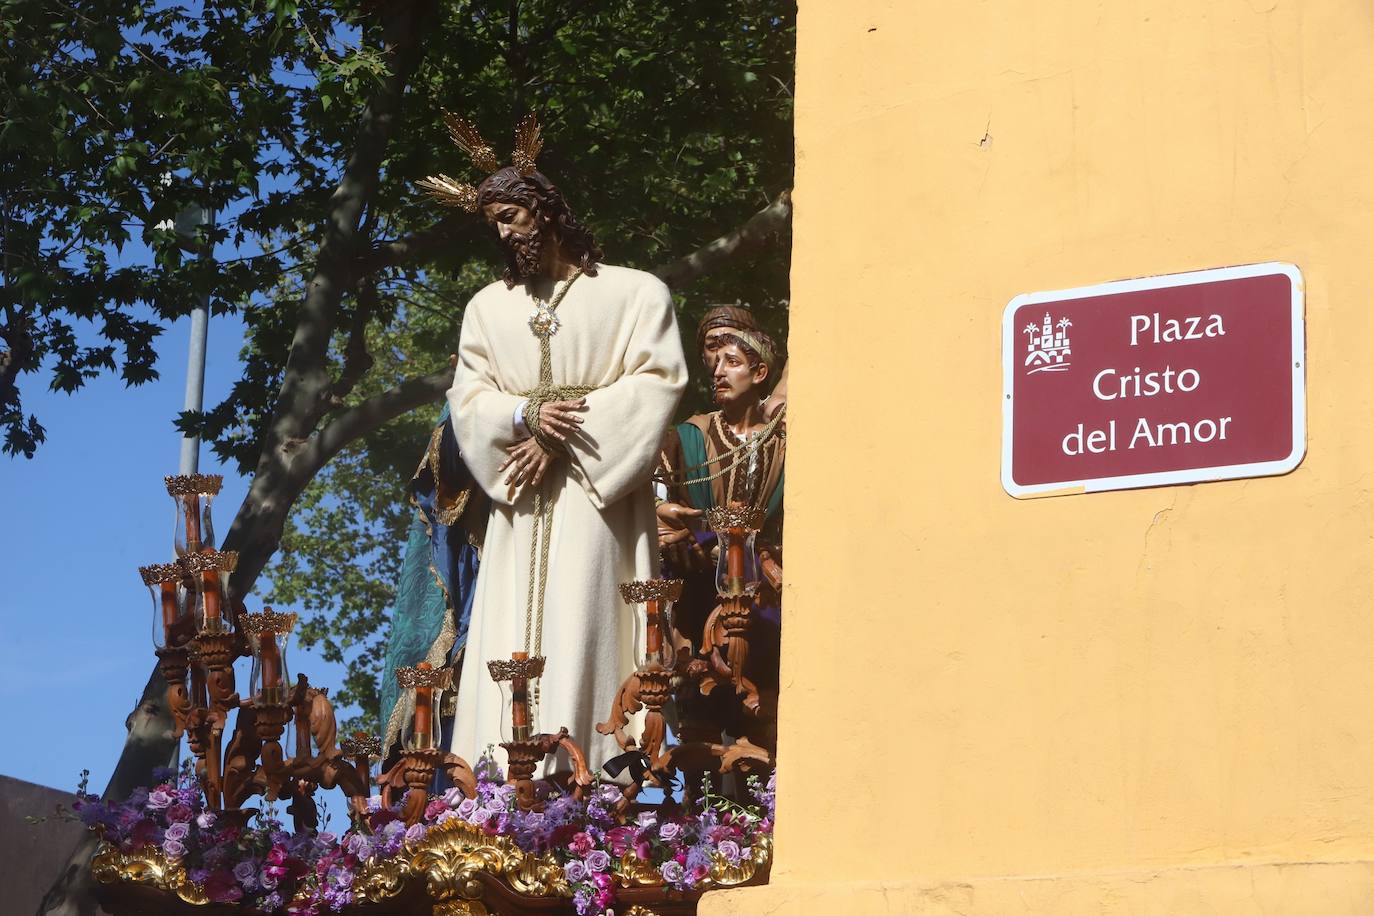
[1147, 701]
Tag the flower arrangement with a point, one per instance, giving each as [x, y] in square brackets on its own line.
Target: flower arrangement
[262, 866]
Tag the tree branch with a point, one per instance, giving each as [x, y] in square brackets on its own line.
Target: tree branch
[361, 419]
[411, 247]
[357, 361]
[773, 220]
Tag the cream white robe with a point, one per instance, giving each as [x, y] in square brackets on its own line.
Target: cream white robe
[617, 332]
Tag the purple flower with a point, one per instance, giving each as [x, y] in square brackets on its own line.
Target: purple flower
[672, 871]
[582, 900]
[646, 819]
[272, 902]
[339, 877]
[173, 848]
[416, 833]
[246, 873]
[159, 799]
[358, 844]
[598, 861]
[669, 832]
[575, 871]
[178, 831]
[179, 814]
[205, 820]
[467, 808]
[697, 858]
[730, 850]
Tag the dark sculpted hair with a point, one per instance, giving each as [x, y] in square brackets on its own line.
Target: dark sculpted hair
[552, 215]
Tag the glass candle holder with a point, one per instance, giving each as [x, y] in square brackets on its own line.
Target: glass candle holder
[737, 568]
[654, 625]
[209, 572]
[165, 583]
[192, 494]
[423, 685]
[268, 634]
[518, 679]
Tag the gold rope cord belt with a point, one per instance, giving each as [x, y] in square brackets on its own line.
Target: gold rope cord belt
[543, 325]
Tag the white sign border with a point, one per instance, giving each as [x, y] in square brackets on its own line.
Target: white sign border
[1162, 478]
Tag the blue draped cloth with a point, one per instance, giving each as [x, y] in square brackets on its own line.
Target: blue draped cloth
[429, 621]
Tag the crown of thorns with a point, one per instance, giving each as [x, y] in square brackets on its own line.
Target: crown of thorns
[450, 192]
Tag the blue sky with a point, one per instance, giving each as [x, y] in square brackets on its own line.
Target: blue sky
[78, 520]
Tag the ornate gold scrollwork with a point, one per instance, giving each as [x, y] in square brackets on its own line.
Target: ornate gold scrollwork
[145, 866]
[723, 874]
[377, 881]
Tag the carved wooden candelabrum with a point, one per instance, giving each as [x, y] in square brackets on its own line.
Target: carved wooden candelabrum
[525, 746]
[650, 687]
[422, 755]
[199, 633]
[725, 640]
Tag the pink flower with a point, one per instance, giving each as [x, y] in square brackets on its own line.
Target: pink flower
[435, 808]
[598, 861]
[179, 814]
[415, 833]
[174, 849]
[601, 880]
[730, 850]
[581, 844]
[619, 840]
[159, 799]
[178, 831]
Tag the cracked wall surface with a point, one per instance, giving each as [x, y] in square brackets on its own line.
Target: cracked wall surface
[1156, 682]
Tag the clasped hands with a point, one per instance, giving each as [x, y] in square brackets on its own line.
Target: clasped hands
[527, 461]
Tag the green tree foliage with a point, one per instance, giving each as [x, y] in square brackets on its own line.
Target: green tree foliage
[303, 127]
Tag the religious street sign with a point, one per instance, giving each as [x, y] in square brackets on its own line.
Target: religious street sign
[1161, 380]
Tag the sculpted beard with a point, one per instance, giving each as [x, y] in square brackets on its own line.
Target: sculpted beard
[524, 253]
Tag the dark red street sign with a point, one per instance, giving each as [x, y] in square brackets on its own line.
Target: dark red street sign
[1161, 380]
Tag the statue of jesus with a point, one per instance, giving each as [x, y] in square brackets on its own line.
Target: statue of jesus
[569, 371]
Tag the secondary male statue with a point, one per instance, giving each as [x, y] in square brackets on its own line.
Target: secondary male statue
[568, 374]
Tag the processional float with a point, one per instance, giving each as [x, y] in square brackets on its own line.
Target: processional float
[201, 628]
